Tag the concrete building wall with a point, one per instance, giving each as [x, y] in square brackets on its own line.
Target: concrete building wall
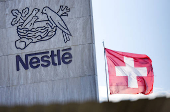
[63, 83]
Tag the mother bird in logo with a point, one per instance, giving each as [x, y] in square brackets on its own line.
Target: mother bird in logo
[56, 20]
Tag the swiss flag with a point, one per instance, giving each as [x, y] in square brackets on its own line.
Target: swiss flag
[129, 73]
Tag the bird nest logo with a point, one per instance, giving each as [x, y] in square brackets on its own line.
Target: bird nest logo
[31, 30]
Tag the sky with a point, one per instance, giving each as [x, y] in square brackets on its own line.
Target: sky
[135, 26]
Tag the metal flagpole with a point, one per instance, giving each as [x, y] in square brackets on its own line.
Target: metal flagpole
[106, 72]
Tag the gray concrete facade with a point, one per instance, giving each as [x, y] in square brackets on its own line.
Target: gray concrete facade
[74, 82]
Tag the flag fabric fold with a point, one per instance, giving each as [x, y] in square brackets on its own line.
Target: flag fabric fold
[129, 73]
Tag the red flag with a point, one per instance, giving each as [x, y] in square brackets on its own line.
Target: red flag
[129, 73]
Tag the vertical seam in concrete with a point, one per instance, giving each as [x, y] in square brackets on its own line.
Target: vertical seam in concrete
[94, 53]
[9, 103]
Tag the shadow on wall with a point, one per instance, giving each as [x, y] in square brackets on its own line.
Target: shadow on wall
[143, 105]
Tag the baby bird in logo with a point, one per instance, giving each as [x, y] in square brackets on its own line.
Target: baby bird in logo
[56, 20]
[32, 21]
[29, 18]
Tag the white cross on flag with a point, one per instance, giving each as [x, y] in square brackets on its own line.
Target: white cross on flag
[129, 73]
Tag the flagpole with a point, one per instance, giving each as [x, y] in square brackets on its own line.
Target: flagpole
[106, 72]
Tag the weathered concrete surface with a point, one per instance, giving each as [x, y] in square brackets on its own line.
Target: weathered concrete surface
[2, 15]
[76, 81]
[78, 89]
